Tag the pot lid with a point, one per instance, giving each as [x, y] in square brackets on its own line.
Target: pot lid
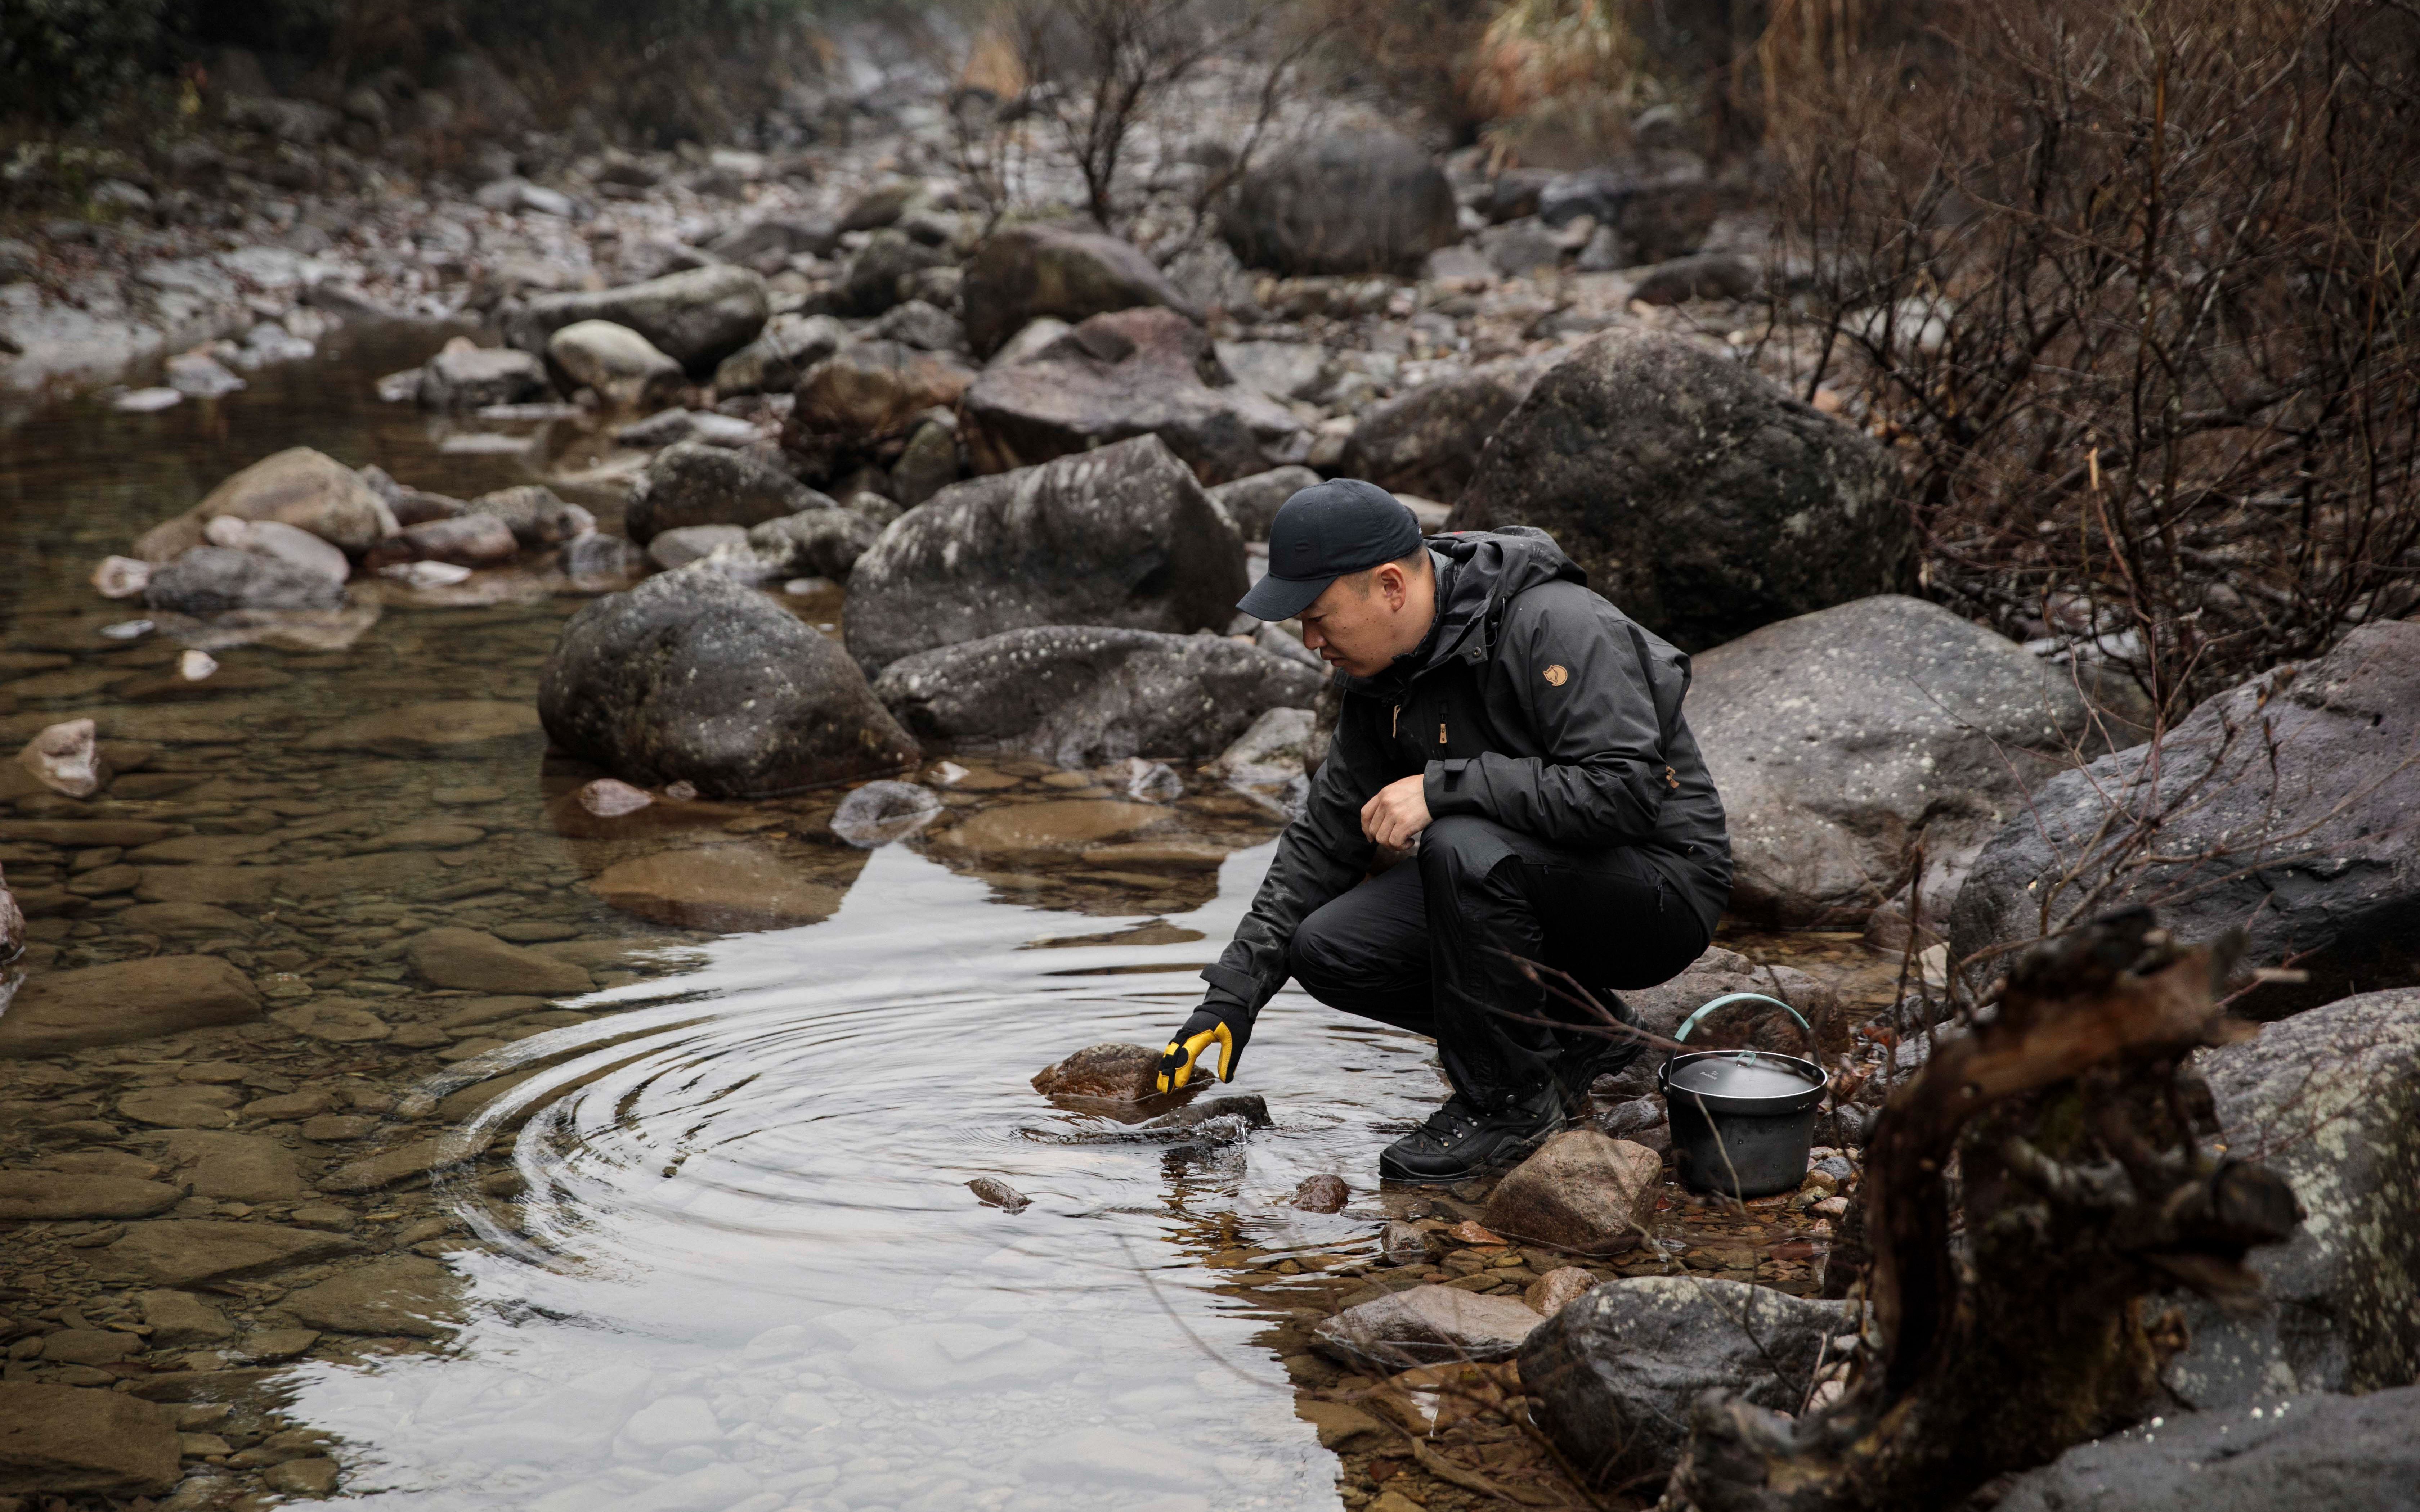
[1750, 1074]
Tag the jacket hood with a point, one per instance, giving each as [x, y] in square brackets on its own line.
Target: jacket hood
[1481, 570]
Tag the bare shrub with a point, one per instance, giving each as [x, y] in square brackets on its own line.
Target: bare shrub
[2133, 289]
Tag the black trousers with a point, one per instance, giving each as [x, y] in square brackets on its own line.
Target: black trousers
[1428, 945]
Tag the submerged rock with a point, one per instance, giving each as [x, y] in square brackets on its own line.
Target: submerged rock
[1121, 537]
[1321, 1193]
[718, 888]
[2293, 796]
[124, 1001]
[691, 677]
[1700, 498]
[1616, 1371]
[882, 813]
[66, 757]
[70, 1439]
[1081, 696]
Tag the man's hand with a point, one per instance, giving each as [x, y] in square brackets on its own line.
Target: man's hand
[1399, 811]
[1205, 1028]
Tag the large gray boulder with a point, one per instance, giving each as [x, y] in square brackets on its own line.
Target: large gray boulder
[697, 318]
[2304, 1454]
[1615, 1372]
[2285, 806]
[1699, 497]
[1342, 202]
[2328, 1100]
[692, 484]
[1026, 271]
[1841, 739]
[211, 580]
[1082, 695]
[618, 364]
[1122, 536]
[1144, 372]
[1427, 441]
[691, 677]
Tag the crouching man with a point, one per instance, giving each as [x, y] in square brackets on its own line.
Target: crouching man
[1524, 740]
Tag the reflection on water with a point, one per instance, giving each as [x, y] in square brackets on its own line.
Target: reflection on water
[741, 1266]
[747, 1269]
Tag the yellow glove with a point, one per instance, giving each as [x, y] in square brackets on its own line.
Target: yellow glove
[1206, 1027]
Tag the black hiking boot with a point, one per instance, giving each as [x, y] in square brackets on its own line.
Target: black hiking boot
[1589, 1055]
[1458, 1142]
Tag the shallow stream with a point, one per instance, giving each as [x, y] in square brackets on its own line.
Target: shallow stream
[741, 1266]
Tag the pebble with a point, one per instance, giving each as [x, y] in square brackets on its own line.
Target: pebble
[993, 1191]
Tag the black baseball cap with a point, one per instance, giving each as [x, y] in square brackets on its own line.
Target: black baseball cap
[1322, 533]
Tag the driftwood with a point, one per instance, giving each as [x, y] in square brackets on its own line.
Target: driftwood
[2069, 1119]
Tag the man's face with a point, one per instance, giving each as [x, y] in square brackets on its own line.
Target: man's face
[1363, 622]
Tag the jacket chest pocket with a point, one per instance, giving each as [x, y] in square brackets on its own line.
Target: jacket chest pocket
[1437, 726]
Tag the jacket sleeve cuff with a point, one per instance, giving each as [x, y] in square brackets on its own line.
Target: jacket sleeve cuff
[1450, 787]
[1232, 986]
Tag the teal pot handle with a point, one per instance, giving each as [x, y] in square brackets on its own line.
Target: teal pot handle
[1691, 1022]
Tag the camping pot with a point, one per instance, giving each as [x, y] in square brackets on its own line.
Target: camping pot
[1743, 1120]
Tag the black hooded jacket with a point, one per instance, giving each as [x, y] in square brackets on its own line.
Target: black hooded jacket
[1533, 702]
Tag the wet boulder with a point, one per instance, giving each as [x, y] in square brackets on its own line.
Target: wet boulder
[2328, 1100]
[788, 345]
[1126, 374]
[692, 484]
[924, 326]
[299, 487]
[1427, 441]
[297, 548]
[696, 318]
[1616, 1371]
[620, 366]
[862, 403]
[1082, 695]
[212, 579]
[1699, 496]
[1120, 536]
[1119, 1072]
[1843, 738]
[1342, 202]
[2285, 807]
[691, 677]
[1252, 502]
[77, 1440]
[467, 376]
[1024, 273]
[2312, 1452]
